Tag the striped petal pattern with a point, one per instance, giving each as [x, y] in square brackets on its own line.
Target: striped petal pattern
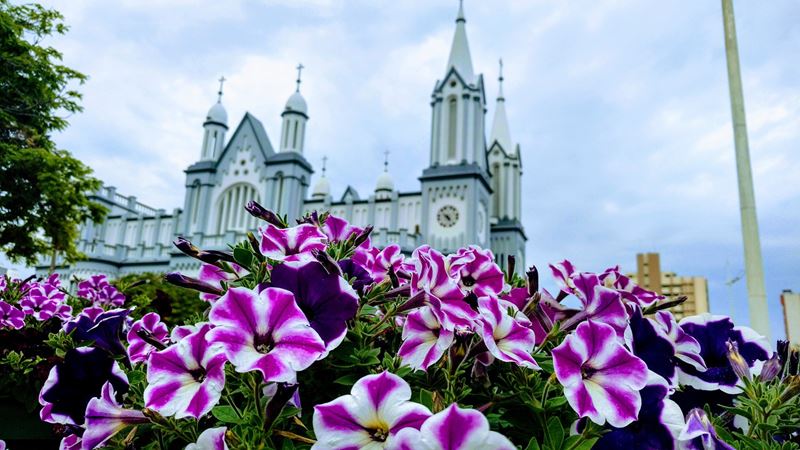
[453, 428]
[291, 244]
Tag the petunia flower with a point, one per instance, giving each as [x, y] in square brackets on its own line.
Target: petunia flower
[475, 270]
[11, 317]
[187, 378]
[210, 439]
[380, 262]
[337, 229]
[358, 277]
[432, 278]
[601, 378]
[453, 428]
[713, 332]
[424, 339]
[214, 276]
[138, 348]
[687, 349]
[658, 426]
[76, 380]
[105, 417]
[600, 304]
[97, 289]
[70, 442]
[699, 433]
[630, 291]
[370, 417]
[506, 339]
[45, 299]
[291, 244]
[326, 299]
[104, 330]
[264, 331]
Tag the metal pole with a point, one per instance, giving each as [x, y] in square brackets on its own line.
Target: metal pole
[754, 268]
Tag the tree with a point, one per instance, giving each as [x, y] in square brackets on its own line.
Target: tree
[44, 191]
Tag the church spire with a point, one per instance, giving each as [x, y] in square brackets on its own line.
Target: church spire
[500, 132]
[460, 57]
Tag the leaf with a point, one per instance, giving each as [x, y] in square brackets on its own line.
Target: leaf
[555, 432]
[533, 444]
[226, 414]
[425, 398]
[243, 257]
[347, 380]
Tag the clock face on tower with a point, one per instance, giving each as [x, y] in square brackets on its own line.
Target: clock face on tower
[447, 216]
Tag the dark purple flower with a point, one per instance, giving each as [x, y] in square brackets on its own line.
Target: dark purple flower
[356, 274]
[76, 380]
[658, 426]
[713, 333]
[105, 330]
[327, 300]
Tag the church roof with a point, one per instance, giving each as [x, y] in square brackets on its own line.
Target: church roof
[217, 114]
[259, 133]
[460, 58]
[500, 131]
[297, 103]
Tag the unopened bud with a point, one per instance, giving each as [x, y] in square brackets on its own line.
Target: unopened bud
[186, 246]
[181, 280]
[215, 256]
[533, 280]
[328, 263]
[264, 214]
[738, 363]
[363, 236]
[771, 368]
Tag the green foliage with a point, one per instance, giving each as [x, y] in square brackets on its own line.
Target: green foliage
[43, 190]
[149, 292]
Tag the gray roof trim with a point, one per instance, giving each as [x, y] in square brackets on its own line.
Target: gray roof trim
[509, 225]
[289, 157]
[451, 172]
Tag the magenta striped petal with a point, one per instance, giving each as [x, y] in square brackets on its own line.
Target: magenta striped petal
[601, 378]
[476, 271]
[105, 417]
[452, 429]
[291, 244]
[214, 276]
[210, 439]
[11, 317]
[376, 409]
[432, 277]
[264, 331]
[337, 229]
[138, 349]
[506, 339]
[187, 378]
[424, 339]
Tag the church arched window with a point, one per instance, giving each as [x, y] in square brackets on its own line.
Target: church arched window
[231, 215]
[195, 200]
[452, 120]
[496, 188]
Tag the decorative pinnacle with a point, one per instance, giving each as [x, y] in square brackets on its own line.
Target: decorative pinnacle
[300, 68]
[460, 17]
[219, 93]
[324, 163]
[386, 161]
[500, 81]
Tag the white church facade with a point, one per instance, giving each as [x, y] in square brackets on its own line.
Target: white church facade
[468, 194]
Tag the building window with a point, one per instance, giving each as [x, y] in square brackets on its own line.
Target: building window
[294, 139]
[452, 116]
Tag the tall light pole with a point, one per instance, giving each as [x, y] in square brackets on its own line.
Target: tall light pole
[754, 267]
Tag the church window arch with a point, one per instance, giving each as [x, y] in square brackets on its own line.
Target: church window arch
[195, 200]
[496, 188]
[231, 215]
[452, 120]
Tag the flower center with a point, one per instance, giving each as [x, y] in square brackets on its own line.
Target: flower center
[587, 371]
[264, 344]
[378, 434]
[198, 374]
[468, 280]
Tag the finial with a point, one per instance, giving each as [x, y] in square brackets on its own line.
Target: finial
[386, 161]
[460, 17]
[300, 68]
[500, 81]
[219, 93]
[324, 163]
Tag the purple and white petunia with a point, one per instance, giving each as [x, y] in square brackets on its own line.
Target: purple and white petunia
[45, 299]
[475, 270]
[713, 332]
[215, 276]
[453, 428]
[98, 290]
[630, 291]
[210, 439]
[264, 331]
[76, 380]
[150, 323]
[11, 317]
[105, 417]
[291, 244]
[379, 262]
[699, 433]
[187, 378]
[337, 229]
[600, 304]
[432, 278]
[424, 339]
[377, 408]
[326, 299]
[601, 378]
[506, 339]
[687, 349]
[104, 329]
[70, 442]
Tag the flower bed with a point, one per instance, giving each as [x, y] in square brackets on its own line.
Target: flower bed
[313, 338]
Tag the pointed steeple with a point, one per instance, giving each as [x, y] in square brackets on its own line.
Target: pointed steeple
[500, 132]
[460, 57]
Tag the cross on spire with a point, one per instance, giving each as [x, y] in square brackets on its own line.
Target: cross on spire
[386, 160]
[324, 163]
[300, 68]
[219, 93]
[500, 81]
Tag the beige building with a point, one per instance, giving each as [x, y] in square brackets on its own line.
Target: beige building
[790, 301]
[649, 276]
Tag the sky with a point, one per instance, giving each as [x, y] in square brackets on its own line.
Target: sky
[621, 109]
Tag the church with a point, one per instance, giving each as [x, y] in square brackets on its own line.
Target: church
[468, 194]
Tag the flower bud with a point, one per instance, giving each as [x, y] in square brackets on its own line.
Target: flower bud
[186, 246]
[328, 263]
[533, 280]
[264, 214]
[792, 388]
[363, 236]
[738, 363]
[181, 280]
[771, 368]
[215, 256]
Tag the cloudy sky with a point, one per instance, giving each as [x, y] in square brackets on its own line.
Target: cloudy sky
[621, 108]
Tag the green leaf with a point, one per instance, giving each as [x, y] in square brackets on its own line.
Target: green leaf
[243, 257]
[226, 414]
[555, 432]
[347, 380]
[533, 444]
[425, 398]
